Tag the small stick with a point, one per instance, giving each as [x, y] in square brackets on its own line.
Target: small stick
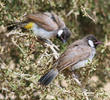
[55, 53]
[79, 83]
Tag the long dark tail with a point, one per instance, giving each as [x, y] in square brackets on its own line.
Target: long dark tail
[16, 25]
[12, 26]
[48, 77]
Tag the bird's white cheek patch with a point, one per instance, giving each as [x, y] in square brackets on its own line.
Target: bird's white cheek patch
[91, 43]
[60, 32]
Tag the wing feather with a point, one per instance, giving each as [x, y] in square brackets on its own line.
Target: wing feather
[73, 55]
[43, 20]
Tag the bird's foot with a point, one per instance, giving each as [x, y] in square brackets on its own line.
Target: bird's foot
[75, 77]
[51, 43]
[84, 91]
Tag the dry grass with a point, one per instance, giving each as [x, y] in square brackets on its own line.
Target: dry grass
[23, 60]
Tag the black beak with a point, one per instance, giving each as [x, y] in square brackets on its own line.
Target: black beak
[64, 41]
[98, 42]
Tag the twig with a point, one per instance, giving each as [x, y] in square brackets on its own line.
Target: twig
[3, 63]
[86, 14]
[14, 42]
[79, 83]
[51, 43]
[76, 79]
[55, 53]
[69, 13]
[40, 59]
[15, 32]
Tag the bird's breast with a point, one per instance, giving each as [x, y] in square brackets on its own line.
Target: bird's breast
[83, 63]
[42, 32]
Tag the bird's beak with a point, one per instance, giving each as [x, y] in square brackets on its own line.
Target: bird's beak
[64, 41]
[98, 42]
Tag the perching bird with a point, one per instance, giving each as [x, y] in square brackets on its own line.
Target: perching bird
[45, 25]
[77, 55]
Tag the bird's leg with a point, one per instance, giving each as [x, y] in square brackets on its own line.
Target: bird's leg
[52, 46]
[79, 83]
[76, 79]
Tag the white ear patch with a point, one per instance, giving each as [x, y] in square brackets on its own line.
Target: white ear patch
[91, 43]
[60, 32]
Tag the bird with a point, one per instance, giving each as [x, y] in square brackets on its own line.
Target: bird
[77, 55]
[45, 25]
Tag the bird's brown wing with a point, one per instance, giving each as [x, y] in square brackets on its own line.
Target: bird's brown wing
[43, 20]
[73, 55]
[58, 20]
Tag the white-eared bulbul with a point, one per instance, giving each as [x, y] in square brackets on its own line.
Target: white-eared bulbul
[77, 55]
[45, 25]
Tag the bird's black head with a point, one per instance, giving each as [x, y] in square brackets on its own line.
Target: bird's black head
[92, 41]
[64, 34]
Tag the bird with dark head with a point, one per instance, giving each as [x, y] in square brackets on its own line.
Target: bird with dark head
[92, 41]
[64, 34]
[45, 26]
[77, 55]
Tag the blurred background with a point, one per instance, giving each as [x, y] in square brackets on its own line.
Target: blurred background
[21, 66]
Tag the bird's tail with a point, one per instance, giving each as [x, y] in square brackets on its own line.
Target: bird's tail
[12, 26]
[16, 26]
[48, 77]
